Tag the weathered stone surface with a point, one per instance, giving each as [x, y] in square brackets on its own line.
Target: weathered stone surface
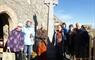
[21, 10]
[25, 9]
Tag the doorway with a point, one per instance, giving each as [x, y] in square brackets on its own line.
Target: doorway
[4, 29]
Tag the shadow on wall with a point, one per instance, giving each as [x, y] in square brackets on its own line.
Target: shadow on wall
[35, 26]
[36, 22]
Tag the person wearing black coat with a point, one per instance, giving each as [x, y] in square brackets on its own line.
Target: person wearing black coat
[58, 42]
[70, 41]
[82, 44]
[77, 42]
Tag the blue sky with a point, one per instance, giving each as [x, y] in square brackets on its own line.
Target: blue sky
[72, 11]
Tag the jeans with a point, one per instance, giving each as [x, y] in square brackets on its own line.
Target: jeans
[28, 51]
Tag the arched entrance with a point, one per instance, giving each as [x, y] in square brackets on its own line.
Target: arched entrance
[8, 21]
[4, 28]
[4, 24]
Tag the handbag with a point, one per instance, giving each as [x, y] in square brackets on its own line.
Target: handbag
[8, 56]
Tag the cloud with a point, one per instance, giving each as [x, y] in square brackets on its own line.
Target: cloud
[62, 15]
[65, 17]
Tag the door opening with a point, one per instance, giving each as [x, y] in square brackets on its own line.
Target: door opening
[4, 28]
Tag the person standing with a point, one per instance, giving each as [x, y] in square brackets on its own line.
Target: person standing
[59, 43]
[77, 44]
[70, 41]
[64, 29]
[84, 47]
[41, 44]
[29, 39]
[15, 41]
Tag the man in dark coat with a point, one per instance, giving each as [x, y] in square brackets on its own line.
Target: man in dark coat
[84, 46]
[77, 39]
[81, 43]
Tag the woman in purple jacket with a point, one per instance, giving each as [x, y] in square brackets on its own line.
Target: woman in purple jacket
[15, 41]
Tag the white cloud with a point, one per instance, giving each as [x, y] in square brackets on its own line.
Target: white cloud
[66, 17]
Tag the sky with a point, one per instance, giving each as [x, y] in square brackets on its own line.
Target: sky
[72, 11]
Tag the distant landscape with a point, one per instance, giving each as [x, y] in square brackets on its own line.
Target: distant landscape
[93, 31]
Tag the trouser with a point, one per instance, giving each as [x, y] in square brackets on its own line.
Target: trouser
[60, 53]
[28, 51]
[17, 56]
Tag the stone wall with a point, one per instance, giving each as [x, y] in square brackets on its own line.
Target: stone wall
[28, 9]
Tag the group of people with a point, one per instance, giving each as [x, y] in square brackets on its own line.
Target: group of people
[73, 42]
[21, 39]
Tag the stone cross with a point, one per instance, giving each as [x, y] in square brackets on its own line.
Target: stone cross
[51, 4]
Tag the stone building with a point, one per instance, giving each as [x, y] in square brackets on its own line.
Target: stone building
[18, 11]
